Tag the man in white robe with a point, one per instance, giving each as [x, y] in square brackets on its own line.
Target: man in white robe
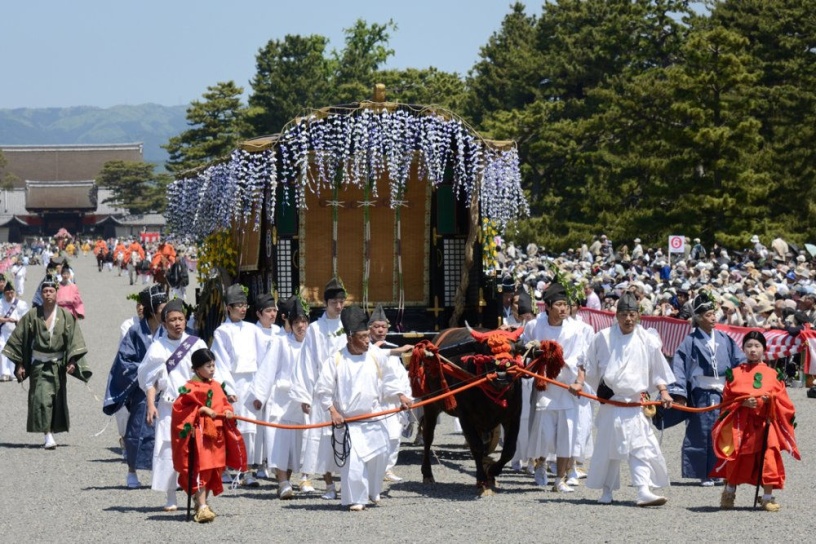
[165, 368]
[390, 353]
[520, 461]
[323, 338]
[357, 381]
[12, 309]
[266, 310]
[18, 271]
[582, 450]
[270, 390]
[628, 360]
[239, 347]
[554, 424]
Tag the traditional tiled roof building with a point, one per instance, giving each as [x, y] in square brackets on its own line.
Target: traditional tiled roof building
[53, 187]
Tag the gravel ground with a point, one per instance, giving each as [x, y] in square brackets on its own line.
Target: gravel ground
[77, 492]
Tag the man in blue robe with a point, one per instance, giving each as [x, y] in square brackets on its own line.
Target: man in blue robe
[700, 365]
[123, 383]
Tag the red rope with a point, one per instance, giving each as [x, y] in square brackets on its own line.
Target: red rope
[423, 367]
[476, 383]
[675, 406]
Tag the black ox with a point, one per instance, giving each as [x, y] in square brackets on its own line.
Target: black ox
[464, 356]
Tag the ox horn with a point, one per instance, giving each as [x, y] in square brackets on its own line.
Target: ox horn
[516, 334]
[478, 336]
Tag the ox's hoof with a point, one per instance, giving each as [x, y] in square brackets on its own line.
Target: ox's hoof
[428, 480]
[486, 492]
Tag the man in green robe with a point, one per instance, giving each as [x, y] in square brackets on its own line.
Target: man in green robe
[46, 346]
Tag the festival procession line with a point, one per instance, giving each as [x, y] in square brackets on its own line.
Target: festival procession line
[516, 370]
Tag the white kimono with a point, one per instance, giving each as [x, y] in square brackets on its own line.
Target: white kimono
[394, 422]
[630, 365]
[554, 424]
[6, 365]
[271, 386]
[153, 371]
[357, 385]
[239, 348]
[19, 272]
[272, 331]
[584, 444]
[323, 338]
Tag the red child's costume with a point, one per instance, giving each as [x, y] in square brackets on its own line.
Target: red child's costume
[217, 441]
[740, 432]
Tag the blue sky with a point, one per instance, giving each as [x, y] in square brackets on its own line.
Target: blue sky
[62, 53]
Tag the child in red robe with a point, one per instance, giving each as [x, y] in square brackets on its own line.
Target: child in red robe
[216, 442]
[750, 435]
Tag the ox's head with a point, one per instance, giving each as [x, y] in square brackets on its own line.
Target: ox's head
[501, 346]
[498, 341]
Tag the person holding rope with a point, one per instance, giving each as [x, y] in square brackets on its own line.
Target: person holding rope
[324, 337]
[266, 310]
[622, 363]
[378, 327]
[270, 391]
[357, 381]
[700, 365]
[202, 442]
[554, 423]
[165, 368]
[524, 311]
[240, 347]
[750, 437]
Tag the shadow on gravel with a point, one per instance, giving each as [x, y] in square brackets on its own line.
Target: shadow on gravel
[458, 491]
[20, 446]
[110, 487]
[710, 509]
[258, 494]
[550, 498]
[108, 460]
[693, 483]
[139, 509]
[324, 506]
[446, 445]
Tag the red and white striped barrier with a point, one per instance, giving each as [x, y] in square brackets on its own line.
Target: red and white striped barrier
[672, 331]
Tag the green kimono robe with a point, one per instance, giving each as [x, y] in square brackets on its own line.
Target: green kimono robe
[47, 400]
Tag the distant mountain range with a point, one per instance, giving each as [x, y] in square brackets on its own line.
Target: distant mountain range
[150, 124]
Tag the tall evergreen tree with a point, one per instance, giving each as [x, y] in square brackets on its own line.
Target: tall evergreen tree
[423, 86]
[135, 186]
[217, 124]
[780, 37]
[355, 67]
[293, 75]
[507, 74]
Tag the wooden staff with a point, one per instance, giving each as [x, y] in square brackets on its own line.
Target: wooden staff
[762, 460]
[190, 469]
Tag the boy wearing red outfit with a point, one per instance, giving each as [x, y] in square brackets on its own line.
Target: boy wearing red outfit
[750, 435]
[216, 442]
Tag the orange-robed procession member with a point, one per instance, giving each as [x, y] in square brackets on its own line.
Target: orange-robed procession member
[217, 442]
[751, 435]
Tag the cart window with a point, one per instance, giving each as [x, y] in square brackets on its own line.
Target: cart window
[445, 210]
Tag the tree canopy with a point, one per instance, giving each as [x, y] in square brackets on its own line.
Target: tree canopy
[135, 186]
[217, 124]
[634, 118]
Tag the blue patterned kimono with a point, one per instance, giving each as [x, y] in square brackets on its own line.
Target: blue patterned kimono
[123, 390]
[692, 364]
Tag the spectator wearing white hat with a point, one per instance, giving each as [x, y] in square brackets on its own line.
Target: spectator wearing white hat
[637, 251]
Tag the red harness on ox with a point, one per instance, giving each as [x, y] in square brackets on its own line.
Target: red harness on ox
[500, 343]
